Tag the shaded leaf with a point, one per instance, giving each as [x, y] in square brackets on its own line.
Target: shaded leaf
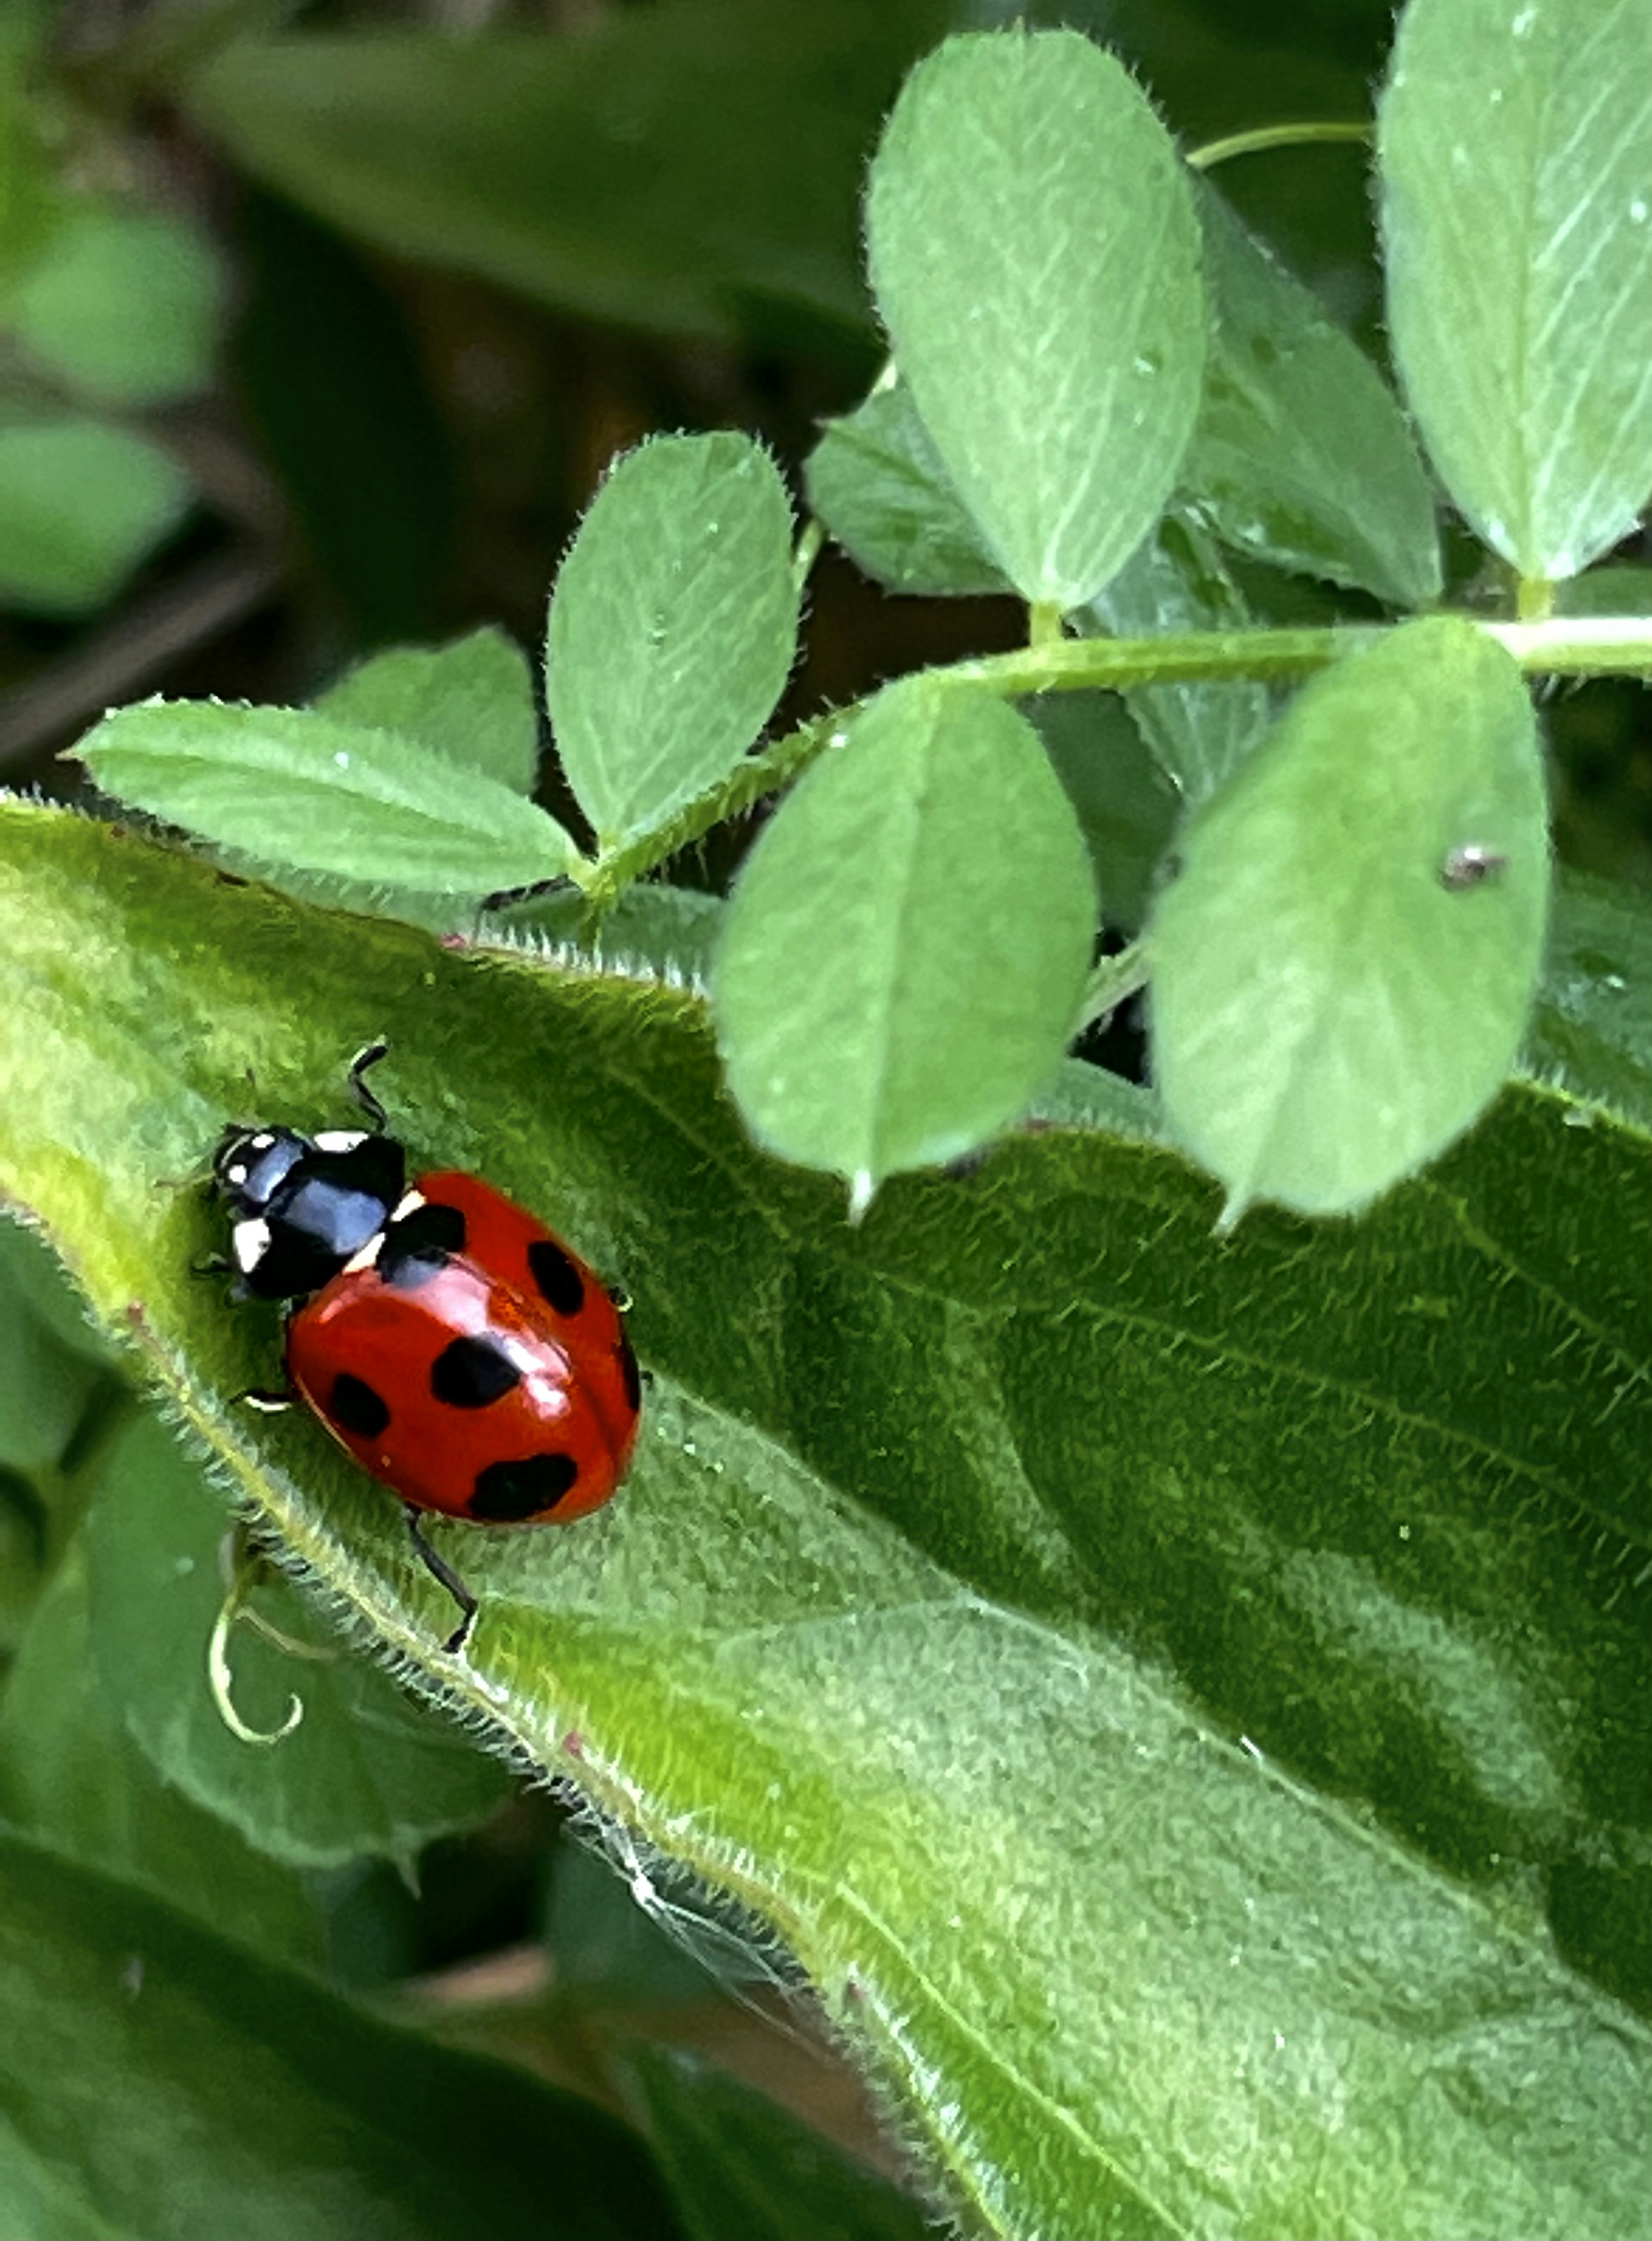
[1302, 455]
[471, 701]
[876, 480]
[645, 171]
[121, 304]
[157, 2081]
[81, 504]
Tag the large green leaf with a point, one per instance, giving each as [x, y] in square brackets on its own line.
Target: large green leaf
[155, 2081]
[692, 167]
[1516, 167]
[1188, 1705]
[1034, 252]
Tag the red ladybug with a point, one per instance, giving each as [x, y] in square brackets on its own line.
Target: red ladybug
[458, 1350]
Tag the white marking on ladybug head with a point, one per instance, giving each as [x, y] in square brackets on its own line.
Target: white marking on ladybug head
[368, 1256]
[236, 1173]
[410, 1202]
[249, 1241]
[339, 1140]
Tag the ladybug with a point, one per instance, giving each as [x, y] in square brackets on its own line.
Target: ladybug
[448, 1340]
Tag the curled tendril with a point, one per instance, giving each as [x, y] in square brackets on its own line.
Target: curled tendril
[243, 1568]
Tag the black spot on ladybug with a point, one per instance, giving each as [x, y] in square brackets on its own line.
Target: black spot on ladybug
[560, 1284]
[632, 1375]
[419, 1245]
[509, 1494]
[354, 1407]
[470, 1373]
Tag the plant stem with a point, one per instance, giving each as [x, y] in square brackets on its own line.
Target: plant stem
[1556, 645]
[1114, 980]
[1263, 137]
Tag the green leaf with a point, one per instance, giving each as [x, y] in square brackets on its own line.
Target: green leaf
[44, 1384]
[1591, 1027]
[80, 506]
[1517, 174]
[293, 788]
[364, 1773]
[1176, 582]
[673, 624]
[157, 2081]
[72, 1778]
[1126, 807]
[472, 701]
[122, 303]
[1341, 974]
[903, 958]
[742, 2170]
[648, 169]
[1302, 455]
[876, 481]
[1185, 1703]
[1034, 252]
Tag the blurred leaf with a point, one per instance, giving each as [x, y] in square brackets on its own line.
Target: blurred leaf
[1332, 1001]
[1176, 582]
[742, 2170]
[44, 1384]
[1302, 455]
[365, 1771]
[673, 624]
[902, 961]
[157, 2082]
[81, 504]
[1591, 1028]
[1188, 1704]
[1126, 807]
[124, 304]
[692, 167]
[72, 1779]
[876, 481]
[472, 701]
[1516, 176]
[1034, 253]
[292, 787]
[1622, 591]
[336, 387]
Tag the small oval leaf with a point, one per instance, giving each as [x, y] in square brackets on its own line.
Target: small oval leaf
[1515, 144]
[904, 955]
[1343, 970]
[1034, 252]
[672, 626]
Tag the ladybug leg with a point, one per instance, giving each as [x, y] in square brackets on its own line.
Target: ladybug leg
[441, 1571]
[268, 1403]
[363, 1096]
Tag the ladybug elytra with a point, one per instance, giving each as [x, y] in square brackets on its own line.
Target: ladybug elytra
[456, 1347]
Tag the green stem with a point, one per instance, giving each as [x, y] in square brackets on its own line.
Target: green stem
[1044, 624]
[1558, 645]
[808, 551]
[1263, 137]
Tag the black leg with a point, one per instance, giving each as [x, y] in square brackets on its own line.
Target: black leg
[440, 1570]
[358, 1089]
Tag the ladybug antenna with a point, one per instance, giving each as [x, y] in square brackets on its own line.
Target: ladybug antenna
[359, 1068]
[440, 1570]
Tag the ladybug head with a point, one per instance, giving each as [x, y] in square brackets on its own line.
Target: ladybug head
[304, 1207]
